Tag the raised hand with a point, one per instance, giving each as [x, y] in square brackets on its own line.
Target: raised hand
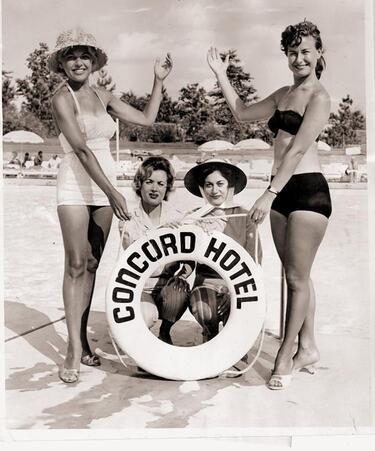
[215, 62]
[162, 69]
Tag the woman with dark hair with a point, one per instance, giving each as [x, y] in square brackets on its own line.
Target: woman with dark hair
[217, 182]
[86, 193]
[153, 181]
[298, 197]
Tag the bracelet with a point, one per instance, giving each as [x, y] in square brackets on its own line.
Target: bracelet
[272, 190]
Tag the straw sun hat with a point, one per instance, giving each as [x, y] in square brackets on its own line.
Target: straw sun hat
[195, 173]
[74, 37]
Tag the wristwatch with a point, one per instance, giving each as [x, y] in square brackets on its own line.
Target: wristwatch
[272, 190]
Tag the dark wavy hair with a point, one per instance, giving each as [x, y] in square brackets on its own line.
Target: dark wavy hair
[227, 173]
[145, 170]
[292, 37]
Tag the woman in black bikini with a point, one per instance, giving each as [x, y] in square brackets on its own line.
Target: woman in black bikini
[298, 197]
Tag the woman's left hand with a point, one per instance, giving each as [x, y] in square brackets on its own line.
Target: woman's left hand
[261, 207]
[162, 69]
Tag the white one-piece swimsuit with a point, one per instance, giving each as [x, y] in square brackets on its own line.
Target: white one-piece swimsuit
[74, 185]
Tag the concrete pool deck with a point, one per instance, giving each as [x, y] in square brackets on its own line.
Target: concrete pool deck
[337, 399]
[112, 396]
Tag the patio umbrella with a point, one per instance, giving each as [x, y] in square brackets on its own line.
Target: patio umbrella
[323, 146]
[252, 143]
[216, 144]
[22, 137]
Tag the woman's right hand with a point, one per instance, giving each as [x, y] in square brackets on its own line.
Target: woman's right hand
[215, 62]
[118, 204]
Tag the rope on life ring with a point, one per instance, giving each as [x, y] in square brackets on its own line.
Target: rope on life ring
[246, 320]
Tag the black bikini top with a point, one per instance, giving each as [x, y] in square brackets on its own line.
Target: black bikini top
[287, 120]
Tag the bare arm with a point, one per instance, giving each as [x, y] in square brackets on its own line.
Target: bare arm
[127, 113]
[63, 111]
[242, 113]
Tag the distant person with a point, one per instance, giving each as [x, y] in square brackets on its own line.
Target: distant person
[298, 197]
[86, 192]
[26, 159]
[352, 170]
[38, 159]
[14, 160]
[54, 162]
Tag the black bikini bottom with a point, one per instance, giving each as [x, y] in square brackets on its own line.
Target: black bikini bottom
[308, 191]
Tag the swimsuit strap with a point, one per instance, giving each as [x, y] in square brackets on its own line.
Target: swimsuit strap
[101, 101]
[74, 98]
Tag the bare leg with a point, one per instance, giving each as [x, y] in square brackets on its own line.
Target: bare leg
[98, 231]
[74, 222]
[307, 352]
[304, 233]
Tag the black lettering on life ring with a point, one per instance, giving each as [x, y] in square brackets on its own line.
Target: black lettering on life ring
[244, 285]
[249, 299]
[133, 265]
[123, 319]
[228, 266]
[147, 252]
[245, 270]
[168, 241]
[216, 250]
[187, 249]
[120, 278]
[126, 291]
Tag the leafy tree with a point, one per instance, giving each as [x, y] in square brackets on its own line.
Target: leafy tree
[242, 83]
[22, 120]
[193, 109]
[38, 87]
[342, 126]
[168, 109]
[130, 131]
[8, 90]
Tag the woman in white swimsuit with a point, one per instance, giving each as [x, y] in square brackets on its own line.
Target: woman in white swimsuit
[86, 193]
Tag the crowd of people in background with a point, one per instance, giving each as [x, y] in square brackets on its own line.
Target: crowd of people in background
[27, 161]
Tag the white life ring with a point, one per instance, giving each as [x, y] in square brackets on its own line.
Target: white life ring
[161, 246]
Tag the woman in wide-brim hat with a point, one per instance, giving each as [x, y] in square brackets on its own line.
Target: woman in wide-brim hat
[86, 182]
[217, 181]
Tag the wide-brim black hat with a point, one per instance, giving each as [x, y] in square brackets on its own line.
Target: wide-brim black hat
[194, 174]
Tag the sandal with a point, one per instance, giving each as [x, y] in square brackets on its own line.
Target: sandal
[90, 360]
[279, 381]
[311, 369]
[68, 375]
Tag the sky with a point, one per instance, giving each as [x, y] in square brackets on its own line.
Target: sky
[135, 32]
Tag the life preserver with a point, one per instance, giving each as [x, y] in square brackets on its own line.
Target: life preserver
[161, 246]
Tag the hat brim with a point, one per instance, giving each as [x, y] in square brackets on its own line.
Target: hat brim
[192, 176]
[101, 58]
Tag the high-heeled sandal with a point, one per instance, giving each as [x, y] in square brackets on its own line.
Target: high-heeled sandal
[69, 375]
[90, 360]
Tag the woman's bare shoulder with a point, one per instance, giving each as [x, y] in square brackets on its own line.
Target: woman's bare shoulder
[61, 96]
[320, 95]
[280, 93]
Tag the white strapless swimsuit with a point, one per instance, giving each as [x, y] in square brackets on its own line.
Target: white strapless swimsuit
[74, 185]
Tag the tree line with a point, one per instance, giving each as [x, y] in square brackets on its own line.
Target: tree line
[196, 116]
